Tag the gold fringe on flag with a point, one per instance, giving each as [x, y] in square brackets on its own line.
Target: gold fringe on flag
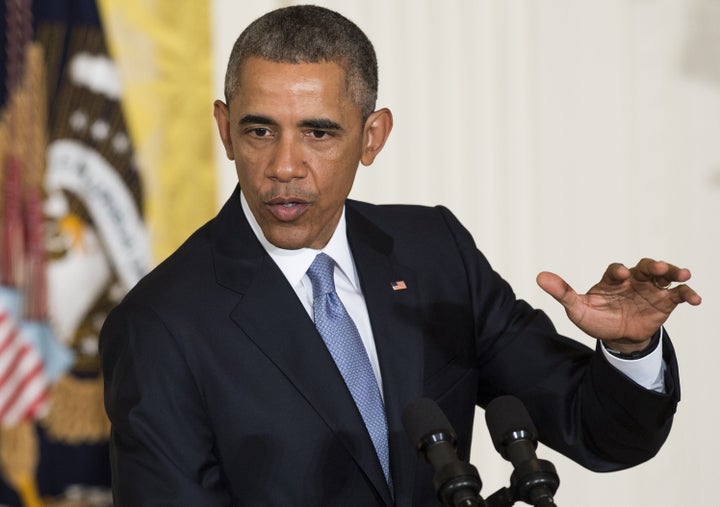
[77, 415]
[19, 456]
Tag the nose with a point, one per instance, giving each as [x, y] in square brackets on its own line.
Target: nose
[287, 163]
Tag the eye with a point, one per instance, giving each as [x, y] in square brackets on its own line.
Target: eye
[319, 134]
[260, 132]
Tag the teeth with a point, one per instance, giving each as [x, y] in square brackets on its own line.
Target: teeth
[289, 204]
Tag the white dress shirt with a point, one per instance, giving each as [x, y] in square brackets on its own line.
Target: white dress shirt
[648, 371]
[295, 263]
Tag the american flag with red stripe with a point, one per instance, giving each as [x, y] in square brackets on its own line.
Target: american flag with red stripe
[398, 285]
[23, 385]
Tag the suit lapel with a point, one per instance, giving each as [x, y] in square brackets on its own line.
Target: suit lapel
[271, 315]
[393, 316]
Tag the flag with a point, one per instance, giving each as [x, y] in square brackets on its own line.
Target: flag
[398, 285]
[83, 244]
[79, 237]
[163, 53]
[23, 386]
[24, 383]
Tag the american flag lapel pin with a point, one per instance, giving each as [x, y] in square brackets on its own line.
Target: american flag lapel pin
[398, 285]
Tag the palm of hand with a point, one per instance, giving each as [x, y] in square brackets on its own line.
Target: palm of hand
[627, 306]
[628, 312]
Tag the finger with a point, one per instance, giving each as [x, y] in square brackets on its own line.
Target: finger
[615, 274]
[660, 273]
[672, 273]
[648, 269]
[685, 294]
[557, 288]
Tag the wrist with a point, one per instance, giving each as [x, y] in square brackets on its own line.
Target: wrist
[634, 350]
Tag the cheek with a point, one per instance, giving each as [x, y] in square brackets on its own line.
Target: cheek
[338, 180]
[335, 170]
[248, 165]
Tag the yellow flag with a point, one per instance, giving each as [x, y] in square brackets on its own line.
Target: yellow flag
[163, 53]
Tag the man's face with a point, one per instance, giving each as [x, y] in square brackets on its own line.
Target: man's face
[296, 138]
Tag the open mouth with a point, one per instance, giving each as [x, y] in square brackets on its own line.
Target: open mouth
[287, 209]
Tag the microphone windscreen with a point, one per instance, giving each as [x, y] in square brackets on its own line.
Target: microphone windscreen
[506, 415]
[424, 417]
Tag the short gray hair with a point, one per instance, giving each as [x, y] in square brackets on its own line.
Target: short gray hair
[309, 34]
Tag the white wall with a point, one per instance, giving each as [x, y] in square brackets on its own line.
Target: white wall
[566, 134]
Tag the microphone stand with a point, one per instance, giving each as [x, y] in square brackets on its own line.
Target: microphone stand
[533, 482]
[458, 485]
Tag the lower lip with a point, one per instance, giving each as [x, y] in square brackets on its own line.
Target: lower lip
[287, 213]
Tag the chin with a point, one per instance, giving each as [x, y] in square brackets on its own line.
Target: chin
[288, 243]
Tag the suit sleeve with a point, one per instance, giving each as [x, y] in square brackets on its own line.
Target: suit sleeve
[161, 447]
[582, 406]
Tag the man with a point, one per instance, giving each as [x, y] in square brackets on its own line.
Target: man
[223, 383]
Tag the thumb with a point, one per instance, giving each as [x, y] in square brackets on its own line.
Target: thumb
[557, 288]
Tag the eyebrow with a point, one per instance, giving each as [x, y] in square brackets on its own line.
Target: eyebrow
[320, 124]
[256, 119]
[311, 123]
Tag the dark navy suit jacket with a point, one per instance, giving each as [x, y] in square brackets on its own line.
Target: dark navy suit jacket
[221, 392]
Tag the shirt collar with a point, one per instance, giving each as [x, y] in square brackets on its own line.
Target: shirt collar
[295, 263]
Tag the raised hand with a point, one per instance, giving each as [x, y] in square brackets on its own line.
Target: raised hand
[627, 306]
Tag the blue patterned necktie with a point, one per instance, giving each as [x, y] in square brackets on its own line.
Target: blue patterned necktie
[343, 340]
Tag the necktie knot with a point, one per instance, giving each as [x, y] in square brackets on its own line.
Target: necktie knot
[322, 275]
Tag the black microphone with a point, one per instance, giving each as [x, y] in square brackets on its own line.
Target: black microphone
[514, 436]
[456, 482]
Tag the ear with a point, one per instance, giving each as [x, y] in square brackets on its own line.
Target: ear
[376, 131]
[222, 118]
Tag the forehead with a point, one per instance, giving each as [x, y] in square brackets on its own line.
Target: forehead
[263, 80]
